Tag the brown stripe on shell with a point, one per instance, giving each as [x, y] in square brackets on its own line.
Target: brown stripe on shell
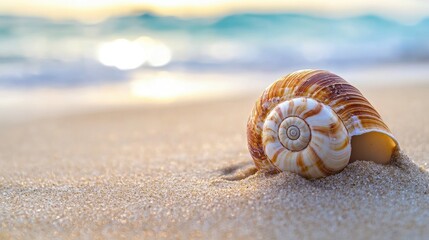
[320, 165]
[270, 129]
[301, 164]
[333, 127]
[324, 130]
[343, 145]
[290, 108]
[269, 139]
[301, 108]
[313, 112]
[280, 113]
[276, 154]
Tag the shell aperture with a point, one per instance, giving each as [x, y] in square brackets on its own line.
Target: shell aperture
[306, 123]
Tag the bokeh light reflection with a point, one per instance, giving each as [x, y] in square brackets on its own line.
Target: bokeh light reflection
[162, 87]
[126, 55]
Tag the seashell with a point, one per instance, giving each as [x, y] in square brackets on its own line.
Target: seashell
[313, 123]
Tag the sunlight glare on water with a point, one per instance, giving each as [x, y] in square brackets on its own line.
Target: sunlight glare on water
[162, 87]
[158, 53]
[168, 87]
[126, 55]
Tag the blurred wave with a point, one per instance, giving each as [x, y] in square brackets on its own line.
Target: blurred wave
[41, 52]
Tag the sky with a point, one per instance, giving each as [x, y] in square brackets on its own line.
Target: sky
[93, 10]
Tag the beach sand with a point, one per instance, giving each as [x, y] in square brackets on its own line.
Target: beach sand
[157, 172]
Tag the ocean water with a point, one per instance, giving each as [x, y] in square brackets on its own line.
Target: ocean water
[37, 52]
[52, 66]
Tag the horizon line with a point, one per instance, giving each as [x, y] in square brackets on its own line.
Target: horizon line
[219, 16]
[99, 10]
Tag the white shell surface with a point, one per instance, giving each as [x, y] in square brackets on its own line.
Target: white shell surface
[320, 147]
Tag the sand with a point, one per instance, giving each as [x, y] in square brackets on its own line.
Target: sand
[157, 172]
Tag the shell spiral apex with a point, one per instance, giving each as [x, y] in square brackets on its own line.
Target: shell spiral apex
[313, 122]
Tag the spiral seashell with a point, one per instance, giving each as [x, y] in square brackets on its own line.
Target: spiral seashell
[313, 122]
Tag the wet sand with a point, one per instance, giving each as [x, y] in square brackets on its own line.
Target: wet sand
[157, 172]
